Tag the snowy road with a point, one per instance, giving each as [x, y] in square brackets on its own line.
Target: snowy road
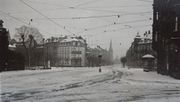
[114, 84]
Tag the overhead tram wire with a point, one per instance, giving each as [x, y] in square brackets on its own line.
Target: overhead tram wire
[45, 3]
[46, 17]
[151, 1]
[116, 6]
[99, 10]
[115, 23]
[88, 8]
[96, 16]
[139, 13]
[86, 3]
[100, 16]
[15, 18]
[92, 35]
[129, 27]
[74, 18]
[85, 17]
[19, 20]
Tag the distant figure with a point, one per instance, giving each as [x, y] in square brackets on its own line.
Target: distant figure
[99, 70]
[123, 61]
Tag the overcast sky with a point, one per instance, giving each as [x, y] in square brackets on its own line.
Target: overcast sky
[95, 20]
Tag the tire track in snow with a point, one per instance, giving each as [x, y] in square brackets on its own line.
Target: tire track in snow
[24, 94]
[104, 78]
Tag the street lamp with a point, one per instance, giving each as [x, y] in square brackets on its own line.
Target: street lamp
[100, 58]
[29, 49]
[44, 53]
[88, 58]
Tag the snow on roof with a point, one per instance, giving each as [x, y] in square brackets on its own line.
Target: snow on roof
[71, 39]
[148, 56]
[82, 40]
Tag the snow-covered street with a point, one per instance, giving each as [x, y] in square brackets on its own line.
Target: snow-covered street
[113, 84]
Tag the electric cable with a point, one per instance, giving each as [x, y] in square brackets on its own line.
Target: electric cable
[46, 17]
[14, 18]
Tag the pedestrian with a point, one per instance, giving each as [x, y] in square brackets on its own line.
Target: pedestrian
[99, 70]
[123, 61]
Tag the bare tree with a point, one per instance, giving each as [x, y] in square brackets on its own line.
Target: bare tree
[26, 31]
[29, 37]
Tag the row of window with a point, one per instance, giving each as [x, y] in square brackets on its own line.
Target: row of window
[176, 25]
[71, 43]
[67, 62]
[145, 47]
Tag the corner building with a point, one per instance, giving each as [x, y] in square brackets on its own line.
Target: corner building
[66, 51]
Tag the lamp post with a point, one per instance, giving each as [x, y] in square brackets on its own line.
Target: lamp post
[44, 53]
[29, 51]
[100, 58]
[88, 58]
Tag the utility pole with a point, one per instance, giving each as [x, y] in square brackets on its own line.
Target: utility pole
[29, 52]
[43, 53]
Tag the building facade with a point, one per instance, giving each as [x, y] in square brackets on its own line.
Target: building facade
[66, 51]
[93, 59]
[139, 47]
[166, 36]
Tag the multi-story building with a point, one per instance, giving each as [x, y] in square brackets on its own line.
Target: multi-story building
[166, 36]
[93, 57]
[140, 47]
[66, 51]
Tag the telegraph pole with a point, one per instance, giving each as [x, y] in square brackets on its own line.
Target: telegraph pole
[29, 52]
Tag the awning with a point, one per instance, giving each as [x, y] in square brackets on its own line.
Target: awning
[148, 56]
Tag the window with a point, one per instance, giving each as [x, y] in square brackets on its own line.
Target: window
[157, 15]
[176, 25]
[156, 36]
[74, 43]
